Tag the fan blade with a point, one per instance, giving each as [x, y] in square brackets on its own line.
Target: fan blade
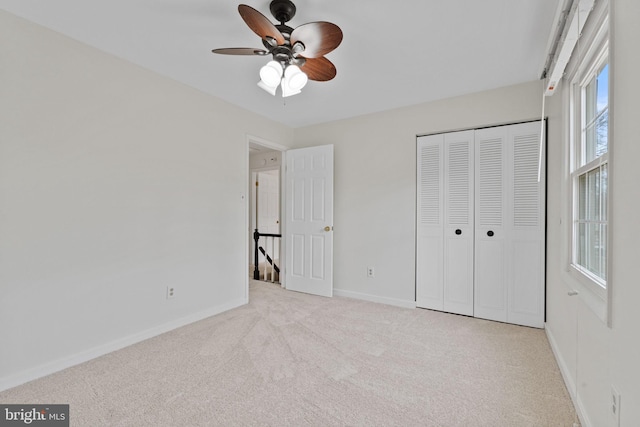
[319, 38]
[319, 69]
[259, 24]
[240, 51]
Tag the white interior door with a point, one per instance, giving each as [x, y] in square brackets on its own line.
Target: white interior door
[309, 220]
[268, 202]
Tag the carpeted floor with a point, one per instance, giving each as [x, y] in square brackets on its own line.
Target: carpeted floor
[290, 359]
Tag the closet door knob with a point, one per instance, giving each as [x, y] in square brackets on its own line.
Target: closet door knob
[490, 233]
[458, 232]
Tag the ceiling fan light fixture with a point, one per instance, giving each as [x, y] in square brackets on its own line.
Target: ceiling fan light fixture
[287, 46]
[298, 47]
[287, 90]
[271, 74]
[294, 78]
[270, 89]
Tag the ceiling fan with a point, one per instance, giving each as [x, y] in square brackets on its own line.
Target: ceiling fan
[298, 54]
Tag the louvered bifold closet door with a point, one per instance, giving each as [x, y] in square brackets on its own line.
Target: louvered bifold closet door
[526, 243]
[510, 225]
[481, 223]
[458, 219]
[430, 222]
[490, 290]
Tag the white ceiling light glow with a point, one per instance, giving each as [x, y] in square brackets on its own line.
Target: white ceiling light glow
[271, 73]
[271, 76]
[294, 80]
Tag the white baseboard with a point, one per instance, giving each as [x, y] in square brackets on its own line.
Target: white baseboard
[569, 381]
[374, 298]
[45, 369]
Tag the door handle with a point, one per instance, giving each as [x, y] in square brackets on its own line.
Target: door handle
[458, 232]
[327, 228]
[490, 233]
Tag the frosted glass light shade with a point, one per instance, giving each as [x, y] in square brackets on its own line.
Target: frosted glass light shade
[287, 91]
[293, 81]
[271, 74]
[270, 89]
[295, 78]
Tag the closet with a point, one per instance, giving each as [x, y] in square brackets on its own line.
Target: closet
[481, 223]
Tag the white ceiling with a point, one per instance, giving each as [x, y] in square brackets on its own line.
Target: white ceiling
[393, 54]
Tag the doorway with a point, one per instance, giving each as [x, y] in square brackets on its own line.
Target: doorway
[304, 215]
[265, 221]
[265, 161]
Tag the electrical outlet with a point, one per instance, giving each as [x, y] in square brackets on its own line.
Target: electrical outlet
[371, 272]
[171, 292]
[615, 405]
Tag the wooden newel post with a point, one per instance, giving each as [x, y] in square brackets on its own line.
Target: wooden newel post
[256, 270]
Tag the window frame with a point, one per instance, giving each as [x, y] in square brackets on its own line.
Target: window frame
[594, 49]
[594, 63]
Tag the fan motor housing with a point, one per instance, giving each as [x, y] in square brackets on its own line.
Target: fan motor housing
[282, 10]
[282, 54]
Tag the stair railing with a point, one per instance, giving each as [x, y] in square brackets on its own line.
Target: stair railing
[270, 259]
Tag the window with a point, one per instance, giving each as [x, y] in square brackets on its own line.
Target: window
[590, 170]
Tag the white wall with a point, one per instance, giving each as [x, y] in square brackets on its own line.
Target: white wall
[114, 184]
[592, 355]
[375, 183]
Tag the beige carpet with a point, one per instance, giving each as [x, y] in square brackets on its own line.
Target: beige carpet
[290, 359]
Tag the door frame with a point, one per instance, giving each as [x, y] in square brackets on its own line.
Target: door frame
[256, 140]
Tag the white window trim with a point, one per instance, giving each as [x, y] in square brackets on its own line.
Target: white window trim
[597, 38]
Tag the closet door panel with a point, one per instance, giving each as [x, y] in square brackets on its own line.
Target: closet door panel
[526, 303]
[458, 229]
[491, 256]
[458, 288]
[526, 226]
[429, 290]
[490, 286]
[430, 223]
